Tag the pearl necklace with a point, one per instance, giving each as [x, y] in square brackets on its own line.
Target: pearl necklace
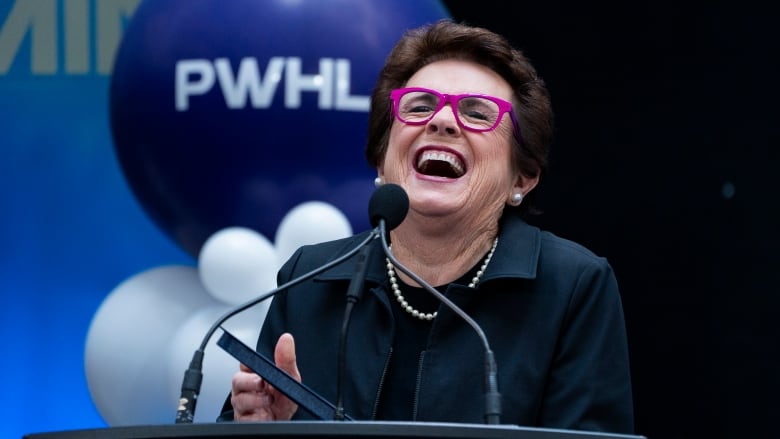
[430, 316]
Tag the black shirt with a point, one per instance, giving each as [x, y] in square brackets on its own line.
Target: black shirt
[396, 401]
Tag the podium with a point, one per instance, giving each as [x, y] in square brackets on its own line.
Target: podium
[327, 429]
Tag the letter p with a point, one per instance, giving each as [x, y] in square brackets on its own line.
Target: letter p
[193, 77]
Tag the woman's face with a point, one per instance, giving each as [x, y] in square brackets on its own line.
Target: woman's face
[445, 168]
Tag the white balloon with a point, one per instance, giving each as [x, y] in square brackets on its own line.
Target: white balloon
[237, 264]
[310, 223]
[128, 341]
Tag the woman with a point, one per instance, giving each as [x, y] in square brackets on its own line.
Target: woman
[461, 121]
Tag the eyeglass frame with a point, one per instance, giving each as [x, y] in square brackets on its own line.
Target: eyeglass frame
[444, 99]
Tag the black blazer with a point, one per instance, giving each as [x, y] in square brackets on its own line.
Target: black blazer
[549, 307]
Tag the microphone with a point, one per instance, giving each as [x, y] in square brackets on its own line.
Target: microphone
[380, 204]
[193, 376]
[389, 204]
[492, 396]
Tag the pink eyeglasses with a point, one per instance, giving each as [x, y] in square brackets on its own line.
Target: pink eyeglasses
[474, 112]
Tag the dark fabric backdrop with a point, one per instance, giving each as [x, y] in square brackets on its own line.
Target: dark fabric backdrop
[663, 161]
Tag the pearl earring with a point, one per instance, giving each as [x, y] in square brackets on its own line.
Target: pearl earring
[378, 182]
[517, 198]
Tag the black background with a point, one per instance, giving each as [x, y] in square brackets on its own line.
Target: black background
[664, 162]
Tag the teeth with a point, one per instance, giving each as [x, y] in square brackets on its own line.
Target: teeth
[453, 161]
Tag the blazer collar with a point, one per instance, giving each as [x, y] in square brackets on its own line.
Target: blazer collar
[376, 270]
[517, 253]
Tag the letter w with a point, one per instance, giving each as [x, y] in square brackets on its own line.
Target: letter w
[248, 82]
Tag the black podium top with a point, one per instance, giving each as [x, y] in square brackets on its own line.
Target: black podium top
[326, 429]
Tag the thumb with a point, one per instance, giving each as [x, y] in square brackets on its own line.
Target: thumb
[284, 356]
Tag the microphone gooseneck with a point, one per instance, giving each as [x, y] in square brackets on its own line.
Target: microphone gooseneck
[388, 204]
[354, 294]
[190, 388]
[492, 395]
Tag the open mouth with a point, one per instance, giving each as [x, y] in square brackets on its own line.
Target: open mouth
[440, 164]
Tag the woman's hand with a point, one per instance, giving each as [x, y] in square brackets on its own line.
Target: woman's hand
[254, 399]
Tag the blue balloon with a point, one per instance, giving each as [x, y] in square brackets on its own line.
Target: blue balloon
[232, 113]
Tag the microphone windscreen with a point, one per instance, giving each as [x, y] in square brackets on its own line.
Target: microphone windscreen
[389, 202]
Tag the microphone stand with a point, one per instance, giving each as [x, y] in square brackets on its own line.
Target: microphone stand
[492, 396]
[193, 377]
[354, 294]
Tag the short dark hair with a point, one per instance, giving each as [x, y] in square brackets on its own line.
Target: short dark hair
[445, 40]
